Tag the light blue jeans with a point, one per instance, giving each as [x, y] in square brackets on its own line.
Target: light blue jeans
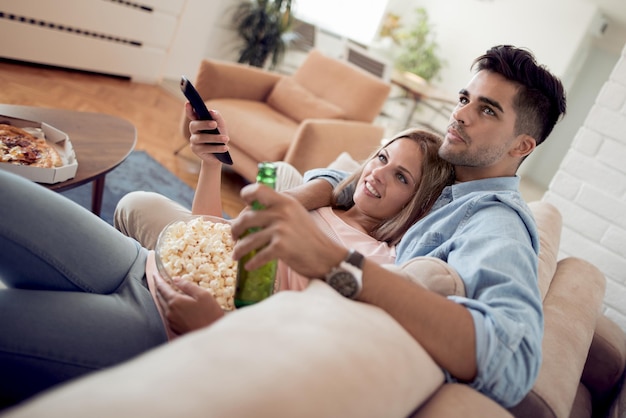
[75, 299]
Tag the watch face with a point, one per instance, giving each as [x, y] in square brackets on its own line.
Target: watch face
[344, 283]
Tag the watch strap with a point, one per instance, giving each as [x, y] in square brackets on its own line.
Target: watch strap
[355, 258]
[346, 278]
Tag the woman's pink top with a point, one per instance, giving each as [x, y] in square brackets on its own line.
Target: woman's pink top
[348, 236]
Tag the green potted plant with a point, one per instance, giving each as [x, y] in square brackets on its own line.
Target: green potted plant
[264, 26]
[418, 49]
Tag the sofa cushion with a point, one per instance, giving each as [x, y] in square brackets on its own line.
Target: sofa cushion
[434, 274]
[266, 133]
[360, 94]
[298, 103]
[297, 354]
[345, 162]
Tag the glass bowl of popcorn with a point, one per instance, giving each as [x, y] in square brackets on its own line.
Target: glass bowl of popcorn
[200, 250]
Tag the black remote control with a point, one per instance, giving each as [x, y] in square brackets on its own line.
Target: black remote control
[202, 112]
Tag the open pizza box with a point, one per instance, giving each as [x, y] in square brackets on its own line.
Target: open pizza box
[56, 138]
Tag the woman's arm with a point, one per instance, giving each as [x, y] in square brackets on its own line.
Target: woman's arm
[185, 306]
[207, 198]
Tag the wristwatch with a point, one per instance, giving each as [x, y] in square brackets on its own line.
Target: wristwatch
[346, 278]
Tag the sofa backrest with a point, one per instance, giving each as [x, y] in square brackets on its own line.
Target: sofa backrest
[360, 94]
[549, 222]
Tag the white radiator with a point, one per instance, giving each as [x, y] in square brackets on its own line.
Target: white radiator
[123, 38]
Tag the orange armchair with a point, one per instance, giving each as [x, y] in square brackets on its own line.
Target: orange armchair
[308, 119]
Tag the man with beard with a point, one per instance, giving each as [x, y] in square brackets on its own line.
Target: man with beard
[491, 338]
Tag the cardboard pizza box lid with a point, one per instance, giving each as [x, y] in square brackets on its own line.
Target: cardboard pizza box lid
[56, 138]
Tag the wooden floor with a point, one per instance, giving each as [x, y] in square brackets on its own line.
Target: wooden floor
[154, 111]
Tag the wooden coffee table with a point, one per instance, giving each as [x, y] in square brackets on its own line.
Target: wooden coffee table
[101, 143]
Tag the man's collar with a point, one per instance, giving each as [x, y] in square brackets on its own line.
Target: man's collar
[488, 184]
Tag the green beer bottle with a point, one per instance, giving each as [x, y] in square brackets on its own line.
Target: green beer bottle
[255, 285]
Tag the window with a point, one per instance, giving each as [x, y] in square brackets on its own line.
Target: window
[357, 20]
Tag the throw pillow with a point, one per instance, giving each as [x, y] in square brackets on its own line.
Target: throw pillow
[291, 99]
[345, 162]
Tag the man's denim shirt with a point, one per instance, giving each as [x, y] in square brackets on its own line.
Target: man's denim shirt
[485, 230]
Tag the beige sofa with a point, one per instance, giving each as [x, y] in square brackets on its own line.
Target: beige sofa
[315, 354]
[307, 119]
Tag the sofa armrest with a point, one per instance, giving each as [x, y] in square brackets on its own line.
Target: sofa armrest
[617, 408]
[606, 361]
[457, 400]
[319, 141]
[571, 309]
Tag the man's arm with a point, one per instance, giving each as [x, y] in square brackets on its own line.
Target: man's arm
[444, 328]
[494, 252]
[491, 338]
[312, 195]
[503, 297]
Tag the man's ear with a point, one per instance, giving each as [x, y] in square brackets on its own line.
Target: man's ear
[525, 145]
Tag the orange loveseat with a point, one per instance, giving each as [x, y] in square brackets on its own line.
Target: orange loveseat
[328, 106]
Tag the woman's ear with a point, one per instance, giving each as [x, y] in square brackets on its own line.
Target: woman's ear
[525, 145]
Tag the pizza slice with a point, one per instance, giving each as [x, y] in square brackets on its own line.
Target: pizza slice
[19, 147]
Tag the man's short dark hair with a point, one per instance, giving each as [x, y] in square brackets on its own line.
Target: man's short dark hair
[540, 100]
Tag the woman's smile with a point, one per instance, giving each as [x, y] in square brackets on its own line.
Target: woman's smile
[370, 190]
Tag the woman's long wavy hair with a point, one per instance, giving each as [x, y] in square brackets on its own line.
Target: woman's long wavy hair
[436, 174]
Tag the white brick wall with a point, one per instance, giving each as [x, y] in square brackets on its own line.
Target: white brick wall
[590, 191]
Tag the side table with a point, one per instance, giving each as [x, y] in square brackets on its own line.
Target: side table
[101, 143]
[419, 91]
